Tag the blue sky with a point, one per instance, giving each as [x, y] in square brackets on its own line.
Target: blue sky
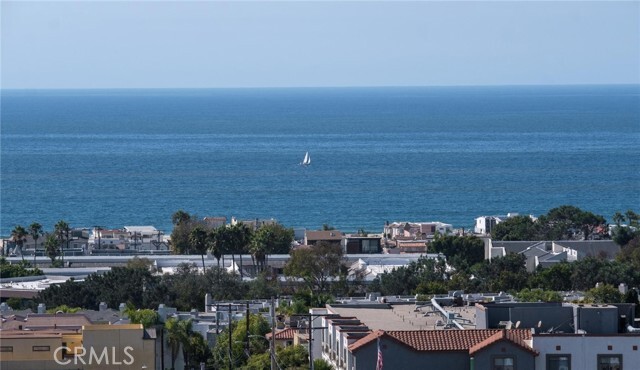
[151, 44]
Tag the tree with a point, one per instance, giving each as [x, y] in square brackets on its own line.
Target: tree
[199, 242]
[630, 252]
[270, 239]
[35, 230]
[557, 277]
[315, 264]
[52, 247]
[258, 327]
[604, 293]
[462, 252]
[147, 317]
[321, 364]
[8, 270]
[560, 223]
[501, 274]
[293, 357]
[565, 222]
[538, 295]
[516, 228]
[62, 231]
[180, 217]
[18, 236]
[623, 234]
[183, 223]
[215, 242]
[239, 239]
[178, 332]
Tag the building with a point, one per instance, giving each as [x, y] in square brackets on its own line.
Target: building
[443, 349]
[412, 229]
[361, 244]
[548, 253]
[90, 347]
[587, 351]
[365, 270]
[313, 237]
[485, 224]
[602, 319]
[254, 224]
[77, 245]
[129, 238]
[215, 222]
[284, 337]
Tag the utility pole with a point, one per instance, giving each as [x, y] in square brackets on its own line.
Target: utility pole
[230, 357]
[310, 341]
[272, 346]
[217, 319]
[247, 344]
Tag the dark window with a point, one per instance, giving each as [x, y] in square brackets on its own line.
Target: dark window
[558, 362]
[41, 348]
[6, 349]
[504, 363]
[609, 362]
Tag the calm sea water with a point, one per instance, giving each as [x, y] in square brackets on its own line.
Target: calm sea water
[133, 157]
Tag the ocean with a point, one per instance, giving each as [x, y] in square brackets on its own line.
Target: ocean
[133, 157]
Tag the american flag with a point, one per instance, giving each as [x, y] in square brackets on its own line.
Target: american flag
[379, 363]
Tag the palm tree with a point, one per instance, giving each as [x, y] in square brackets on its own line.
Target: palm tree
[51, 246]
[198, 238]
[18, 235]
[618, 218]
[178, 334]
[258, 249]
[222, 241]
[62, 231]
[35, 230]
[179, 217]
[215, 246]
[240, 237]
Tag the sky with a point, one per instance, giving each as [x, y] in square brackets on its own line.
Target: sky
[211, 44]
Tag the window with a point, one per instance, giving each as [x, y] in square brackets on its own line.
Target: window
[6, 348]
[558, 362]
[504, 363]
[370, 246]
[41, 348]
[609, 362]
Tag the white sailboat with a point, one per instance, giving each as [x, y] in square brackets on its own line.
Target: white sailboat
[307, 160]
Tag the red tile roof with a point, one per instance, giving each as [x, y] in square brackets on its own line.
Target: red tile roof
[515, 336]
[284, 334]
[448, 340]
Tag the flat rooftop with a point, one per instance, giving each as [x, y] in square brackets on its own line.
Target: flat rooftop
[405, 316]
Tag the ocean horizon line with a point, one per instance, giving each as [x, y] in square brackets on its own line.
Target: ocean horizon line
[346, 87]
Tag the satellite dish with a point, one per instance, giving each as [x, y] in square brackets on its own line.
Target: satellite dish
[518, 324]
[508, 326]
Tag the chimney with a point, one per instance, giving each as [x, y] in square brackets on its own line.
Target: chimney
[42, 308]
[102, 307]
[207, 302]
[122, 307]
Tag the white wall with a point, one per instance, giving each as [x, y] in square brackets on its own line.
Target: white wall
[584, 349]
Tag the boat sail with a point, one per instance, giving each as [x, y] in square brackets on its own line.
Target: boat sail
[307, 160]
